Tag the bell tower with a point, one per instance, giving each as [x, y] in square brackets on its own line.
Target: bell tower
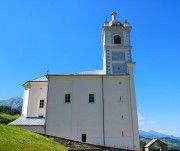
[116, 44]
[117, 62]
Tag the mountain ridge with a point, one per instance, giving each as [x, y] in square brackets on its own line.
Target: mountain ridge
[14, 103]
[153, 134]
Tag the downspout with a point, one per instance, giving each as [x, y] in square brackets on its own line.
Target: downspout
[131, 109]
[46, 103]
[103, 110]
[130, 86]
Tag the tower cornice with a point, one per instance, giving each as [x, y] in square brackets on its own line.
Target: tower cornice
[131, 64]
[117, 28]
[117, 46]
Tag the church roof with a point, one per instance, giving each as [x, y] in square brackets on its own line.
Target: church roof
[154, 141]
[83, 73]
[115, 23]
[92, 72]
[43, 78]
[31, 121]
[40, 79]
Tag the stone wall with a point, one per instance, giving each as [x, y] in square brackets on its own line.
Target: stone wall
[76, 145]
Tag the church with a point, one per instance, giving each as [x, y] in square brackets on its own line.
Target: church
[97, 107]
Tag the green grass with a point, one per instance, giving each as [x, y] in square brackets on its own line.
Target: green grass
[13, 138]
[8, 116]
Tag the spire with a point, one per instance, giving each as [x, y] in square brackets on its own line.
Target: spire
[114, 14]
[126, 24]
[106, 23]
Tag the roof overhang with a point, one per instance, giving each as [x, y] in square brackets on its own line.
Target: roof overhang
[86, 76]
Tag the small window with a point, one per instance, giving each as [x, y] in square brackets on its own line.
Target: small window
[83, 137]
[117, 39]
[41, 116]
[41, 104]
[67, 98]
[91, 98]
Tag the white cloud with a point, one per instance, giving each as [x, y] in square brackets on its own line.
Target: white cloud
[151, 122]
[140, 117]
[160, 131]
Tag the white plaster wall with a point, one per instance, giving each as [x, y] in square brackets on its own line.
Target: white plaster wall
[38, 129]
[133, 107]
[38, 91]
[71, 120]
[126, 35]
[90, 114]
[115, 108]
[25, 101]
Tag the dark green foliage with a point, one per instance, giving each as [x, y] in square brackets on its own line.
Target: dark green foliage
[8, 110]
[173, 144]
[142, 143]
[8, 115]
[4, 120]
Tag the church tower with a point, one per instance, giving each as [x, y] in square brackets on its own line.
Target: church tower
[117, 62]
[116, 46]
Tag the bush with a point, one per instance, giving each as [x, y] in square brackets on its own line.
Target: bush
[4, 121]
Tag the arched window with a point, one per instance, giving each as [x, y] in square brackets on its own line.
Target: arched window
[117, 39]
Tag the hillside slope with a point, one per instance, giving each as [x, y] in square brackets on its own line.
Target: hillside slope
[8, 115]
[15, 139]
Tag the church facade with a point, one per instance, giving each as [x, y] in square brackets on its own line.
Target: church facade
[97, 107]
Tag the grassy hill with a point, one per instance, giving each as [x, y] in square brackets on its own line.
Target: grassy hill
[15, 139]
[8, 115]
[7, 118]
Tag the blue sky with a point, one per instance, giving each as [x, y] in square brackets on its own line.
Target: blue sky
[64, 36]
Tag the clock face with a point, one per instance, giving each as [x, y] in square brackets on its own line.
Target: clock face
[118, 56]
[119, 68]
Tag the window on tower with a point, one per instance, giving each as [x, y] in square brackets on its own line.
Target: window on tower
[67, 98]
[91, 98]
[117, 39]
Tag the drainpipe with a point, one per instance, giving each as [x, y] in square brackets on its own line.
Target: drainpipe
[46, 105]
[103, 110]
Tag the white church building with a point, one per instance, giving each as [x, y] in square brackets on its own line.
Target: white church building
[97, 107]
